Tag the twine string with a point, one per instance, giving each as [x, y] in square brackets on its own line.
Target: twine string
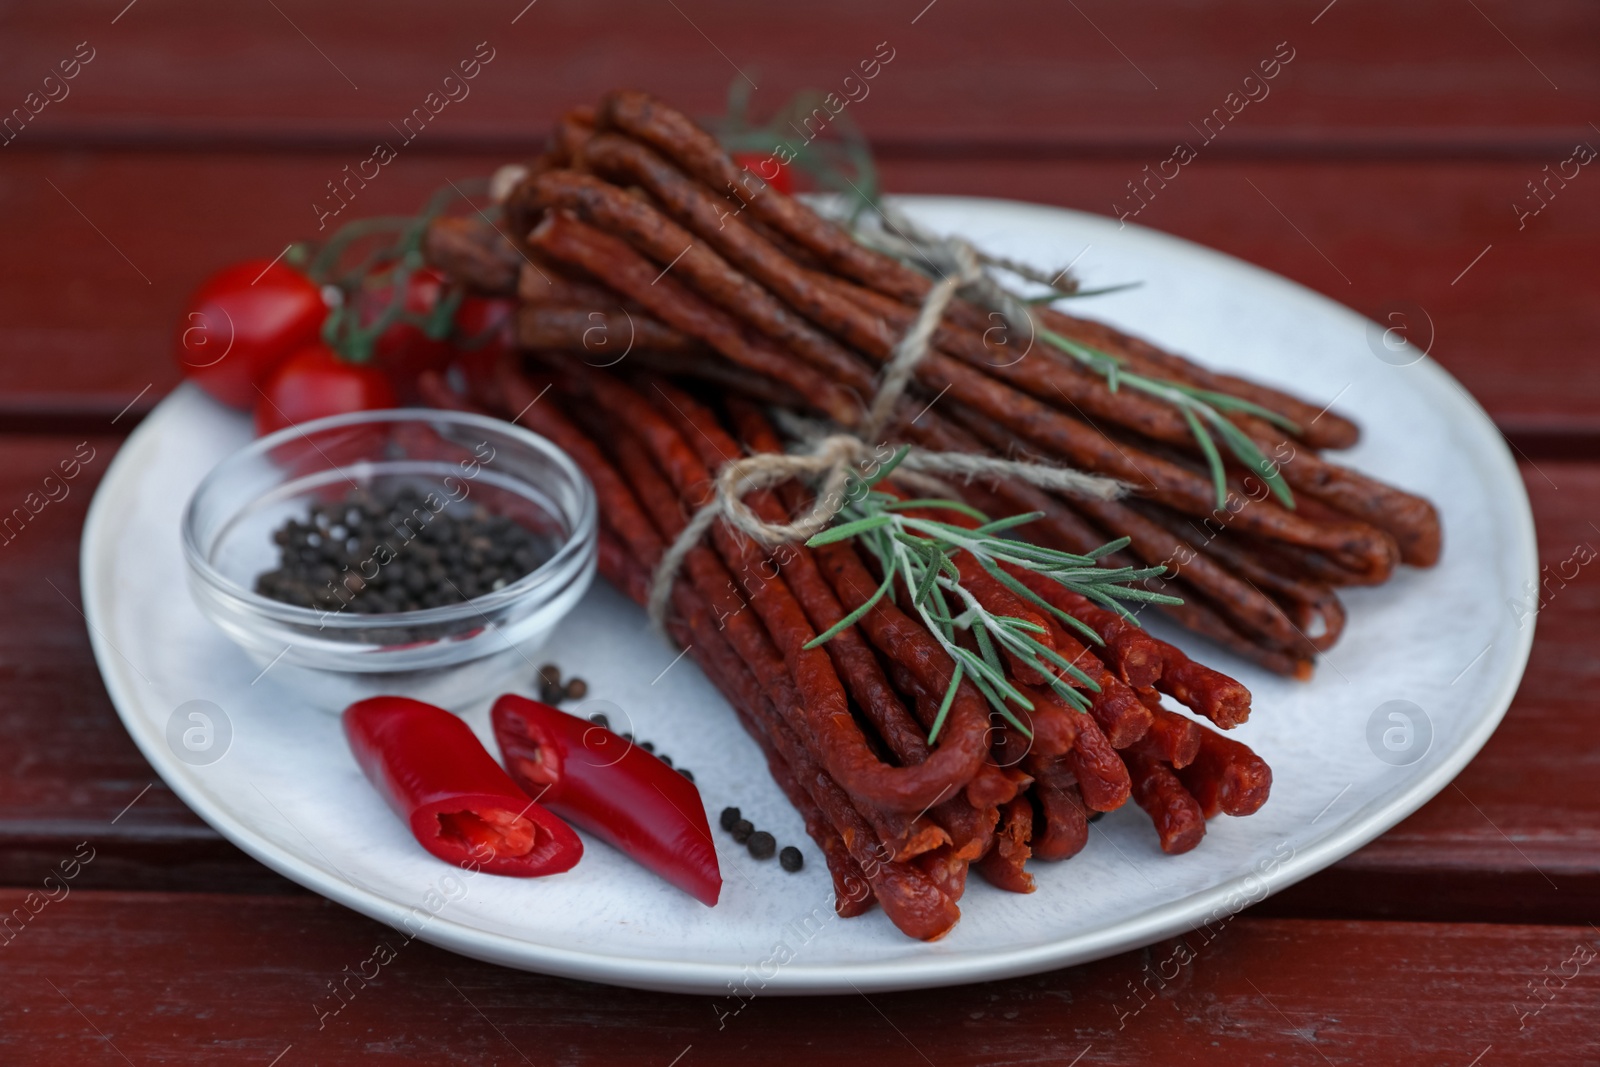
[830, 459]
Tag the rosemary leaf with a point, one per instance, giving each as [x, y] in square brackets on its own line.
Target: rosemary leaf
[1042, 649]
[947, 505]
[944, 705]
[1227, 402]
[848, 530]
[1076, 700]
[1109, 547]
[1208, 447]
[989, 529]
[1248, 453]
[888, 468]
[851, 619]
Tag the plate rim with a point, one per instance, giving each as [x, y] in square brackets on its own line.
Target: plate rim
[908, 972]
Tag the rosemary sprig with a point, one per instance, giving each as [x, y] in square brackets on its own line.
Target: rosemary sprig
[835, 157]
[916, 556]
[844, 165]
[1060, 294]
[1201, 408]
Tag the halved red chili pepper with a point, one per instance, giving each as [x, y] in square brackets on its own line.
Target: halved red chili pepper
[461, 806]
[611, 788]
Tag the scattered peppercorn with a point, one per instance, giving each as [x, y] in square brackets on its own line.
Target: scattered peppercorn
[729, 817]
[551, 694]
[600, 720]
[762, 845]
[647, 746]
[664, 758]
[577, 689]
[687, 773]
[791, 859]
[549, 673]
[742, 830]
[418, 557]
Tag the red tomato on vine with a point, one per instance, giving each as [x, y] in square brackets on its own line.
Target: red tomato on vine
[242, 323]
[315, 383]
[405, 348]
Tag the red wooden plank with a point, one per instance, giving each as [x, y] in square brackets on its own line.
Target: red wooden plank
[89, 302]
[1524, 811]
[196, 979]
[1030, 75]
[1515, 326]
[106, 248]
[1492, 837]
[69, 771]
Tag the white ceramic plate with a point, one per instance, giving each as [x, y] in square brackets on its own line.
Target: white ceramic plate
[287, 791]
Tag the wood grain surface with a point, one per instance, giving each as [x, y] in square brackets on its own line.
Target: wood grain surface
[1385, 238]
[1026, 76]
[1387, 164]
[184, 978]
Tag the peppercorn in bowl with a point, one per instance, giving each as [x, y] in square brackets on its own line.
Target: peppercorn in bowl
[417, 551]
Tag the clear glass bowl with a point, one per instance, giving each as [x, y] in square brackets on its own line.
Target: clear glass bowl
[451, 655]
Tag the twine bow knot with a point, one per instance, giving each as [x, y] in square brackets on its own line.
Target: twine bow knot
[829, 462]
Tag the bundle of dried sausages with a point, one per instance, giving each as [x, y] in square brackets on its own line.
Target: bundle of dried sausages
[669, 299]
[844, 727]
[637, 234]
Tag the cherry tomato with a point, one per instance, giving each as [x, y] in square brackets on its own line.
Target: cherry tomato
[483, 322]
[315, 383]
[404, 350]
[761, 164]
[483, 332]
[242, 322]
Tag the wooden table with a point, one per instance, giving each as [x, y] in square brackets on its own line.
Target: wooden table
[1388, 166]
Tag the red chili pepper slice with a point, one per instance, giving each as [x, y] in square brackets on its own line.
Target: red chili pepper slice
[461, 806]
[611, 788]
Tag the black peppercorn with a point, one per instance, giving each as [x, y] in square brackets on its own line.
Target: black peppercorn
[687, 773]
[577, 689]
[729, 817]
[392, 541]
[600, 720]
[791, 859]
[761, 845]
[742, 830]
